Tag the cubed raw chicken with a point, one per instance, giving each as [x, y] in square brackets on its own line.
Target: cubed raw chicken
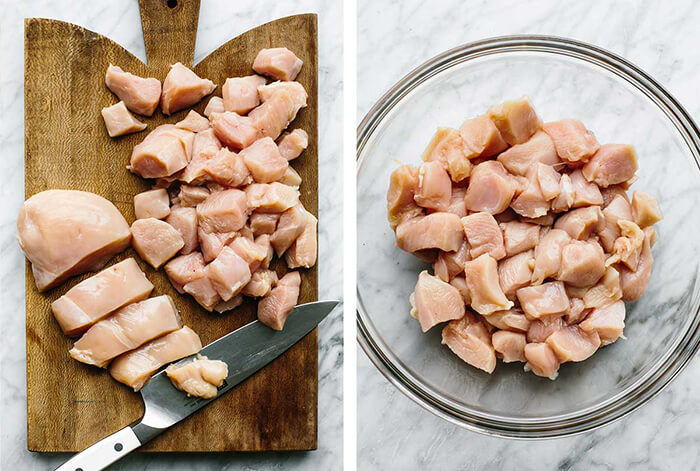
[164, 152]
[566, 197]
[400, 203]
[519, 236]
[577, 309]
[540, 329]
[573, 142]
[302, 252]
[184, 220]
[211, 243]
[434, 187]
[275, 308]
[65, 233]
[264, 161]
[234, 130]
[447, 148]
[98, 296]
[136, 367]
[194, 122]
[516, 120]
[606, 291]
[271, 197]
[291, 178]
[295, 90]
[612, 164]
[152, 204]
[227, 168]
[279, 63]
[433, 301]
[292, 144]
[470, 340]
[199, 377]
[223, 211]
[582, 263]
[275, 114]
[125, 330]
[548, 255]
[585, 193]
[607, 321]
[205, 145]
[484, 235]
[618, 209]
[509, 345]
[581, 223]
[442, 231]
[250, 251]
[183, 88]
[231, 304]
[481, 137]
[512, 319]
[261, 283]
[515, 272]
[549, 180]
[191, 196]
[155, 241]
[290, 226]
[240, 94]
[521, 157]
[628, 247]
[457, 205]
[484, 287]
[202, 290]
[541, 360]
[612, 191]
[185, 269]
[634, 283]
[214, 105]
[140, 95]
[531, 202]
[460, 283]
[450, 264]
[490, 189]
[645, 209]
[119, 121]
[264, 241]
[543, 300]
[263, 223]
[571, 343]
[228, 273]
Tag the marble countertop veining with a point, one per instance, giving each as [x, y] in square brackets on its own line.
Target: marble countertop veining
[396, 36]
[218, 22]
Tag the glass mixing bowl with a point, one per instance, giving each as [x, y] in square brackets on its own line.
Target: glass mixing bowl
[620, 103]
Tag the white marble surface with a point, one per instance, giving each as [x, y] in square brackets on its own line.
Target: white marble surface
[219, 21]
[394, 37]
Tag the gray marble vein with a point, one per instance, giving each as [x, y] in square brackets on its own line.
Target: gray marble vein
[219, 21]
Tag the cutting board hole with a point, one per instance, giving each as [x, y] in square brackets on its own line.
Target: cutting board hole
[172, 3]
[78, 469]
[118, 447]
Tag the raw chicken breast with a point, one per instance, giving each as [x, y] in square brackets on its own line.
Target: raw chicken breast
[565, 200]
[211, 243]
[205, 145]
[271, 197]
[571, 343]
[231, 304]
[191, 196]
[292, 144]
[264, 161]
[155, 241]
[547, 299]
[548, 255]
[240, 94]
[152, 204]
[234, 130]
[515, 272]
[202, 290]
[447, 148]
[520, 158]
[634, 283]
[519, 236]
[573, 142]
[274, 308]
[580, 223]
[295, 90]
[433, 301]
[434, 187]
[65, 233]
[140, 95]
[223, 211]
[470, 340]
[531, 202]
[484, 235]
[612, 191]
[291, 178]
[450, 264]
[199, 377]
[582, 263]
[509, 345]
[96, 297]
[618, 209]
[628, 247]
[606, 291]
[549, 181]
[290, 226]
[460, 283]
[136, 367]
[481, 137]
[275, 114]
[184, 221]
[261, 283]
[227, 168]
[607, 321]
[183, 88]
[262, 223]
[541, 360]
[540, 329]
[185, 269]
[438, 230]
[512, 319]
[612, 164]
[250, 251]
[585, 193]
[228, 273]
[490, 189]
[484, 288]
[279, 63]
[402, 188]
[119, 121]
[302, 253]
[128, 328]
[194, 122]
[645, 209]
[577, 309]
[215, 105]
[164, 152]
[516, 120]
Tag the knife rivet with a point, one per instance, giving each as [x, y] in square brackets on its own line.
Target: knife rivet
[118, 447]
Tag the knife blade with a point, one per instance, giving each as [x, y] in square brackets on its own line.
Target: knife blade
[245, 350]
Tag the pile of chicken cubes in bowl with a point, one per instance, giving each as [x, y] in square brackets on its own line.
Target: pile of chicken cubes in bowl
[534, 240]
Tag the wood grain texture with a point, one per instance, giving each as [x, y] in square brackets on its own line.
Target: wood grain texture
[71, 405]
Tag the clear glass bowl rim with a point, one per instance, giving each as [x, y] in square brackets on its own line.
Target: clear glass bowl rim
[636, 394]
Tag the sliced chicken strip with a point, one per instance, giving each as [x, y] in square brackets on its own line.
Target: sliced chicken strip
[470, 340]
[484, 235]
[433, 301]
[484, 287]
[547, 299]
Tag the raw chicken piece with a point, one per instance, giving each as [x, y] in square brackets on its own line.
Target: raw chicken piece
[516, 120]
[571, 343]
[119, 121]
[64, 233]
[231, 304]
[490, 188]
[128, 328]
[402, 188]
[451, 264]
[548, 255]
[549, 180]
[484, 235]
[520, 158]
[215, 105]
[482, 281]
[140, 95]
[512, 319]
[645, 209]
[240, 94]
[433, 301]
[271, 197]
[228, 168]
[185, 269]
[274, 115]
[152, 204]
[261, 282]
[634, 283]
[292, 144]
[302, 253]
[565, 200]
[460, 283]
[577, 310]
[481, 137]
[279, 63]
[434, 187]
[202, 290]
[228, 273]
[194, 122]
[531, 203]
[223, 211]
[607, 321]
[190, 196]
[447, 148]
[438, 230]
[184, 220]
[183, 88]
[612, 164]
[541, 360]
[274, 308]
[547, 299]
[264, 241]
[264, 160]
[519, 236]
[585, 193]
[628, 247]
[199, 377]
[618, 209]
[545, 222]
[205, 145]
[262, 223]
[250, 251]
[290, 226]
[573, 142]
[164, 152]
[612, 191]
[136, 367]
[580, 223]
[457, 202]
[291, 178]
[294, 89]
[515, 272]
[470, 340]
[606, 291]
[540, 329]
[155, 241]
[96, 297]
[510, 345]
[234, 130]
[212, 243]
[582, 263]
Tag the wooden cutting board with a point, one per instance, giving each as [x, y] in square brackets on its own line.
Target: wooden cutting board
[71, 405]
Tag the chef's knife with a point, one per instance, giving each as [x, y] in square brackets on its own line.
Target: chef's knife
[245, 351]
